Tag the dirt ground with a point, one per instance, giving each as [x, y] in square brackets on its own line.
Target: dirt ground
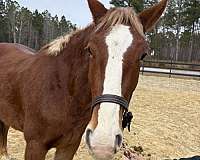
[166, 121]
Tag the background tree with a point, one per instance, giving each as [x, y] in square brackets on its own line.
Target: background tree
[66, 26]
[191, 23]
[20, 25]
[12, 9]
[137, 4]
[176, 36]
[2, 22]
[38, 29]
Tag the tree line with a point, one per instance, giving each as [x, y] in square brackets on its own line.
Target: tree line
[177, 35]
[33, 29]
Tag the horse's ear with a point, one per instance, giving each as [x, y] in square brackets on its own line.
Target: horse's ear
[150, 16]
[97, 9]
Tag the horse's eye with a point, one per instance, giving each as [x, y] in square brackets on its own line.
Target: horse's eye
[143, 56]
[89, 52]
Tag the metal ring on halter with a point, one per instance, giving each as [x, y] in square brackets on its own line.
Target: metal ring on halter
[111, 99]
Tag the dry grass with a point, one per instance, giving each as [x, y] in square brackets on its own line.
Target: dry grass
[166, 121]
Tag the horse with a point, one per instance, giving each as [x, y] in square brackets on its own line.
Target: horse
[80, 82]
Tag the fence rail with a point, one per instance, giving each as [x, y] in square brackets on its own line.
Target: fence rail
[171, 68]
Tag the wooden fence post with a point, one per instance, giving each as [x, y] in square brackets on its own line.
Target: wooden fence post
[170, 75]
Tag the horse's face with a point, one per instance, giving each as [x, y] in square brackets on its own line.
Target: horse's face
[114, 69]
[115, 55]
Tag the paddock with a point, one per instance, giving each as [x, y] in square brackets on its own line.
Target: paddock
[166, 121]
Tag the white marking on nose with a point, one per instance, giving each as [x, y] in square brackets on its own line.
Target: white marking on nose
[118, 41]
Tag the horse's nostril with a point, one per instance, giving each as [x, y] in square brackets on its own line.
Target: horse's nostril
[87, 137]
[118, 140]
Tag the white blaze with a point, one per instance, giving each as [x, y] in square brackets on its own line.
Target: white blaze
[118, 41]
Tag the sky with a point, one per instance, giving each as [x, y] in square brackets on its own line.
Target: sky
[76, 11]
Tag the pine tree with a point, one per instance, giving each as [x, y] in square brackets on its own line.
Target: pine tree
[12, 8]
[38, 29]
[2, 22]
[65, 26]
[191, 20]
[25, 27]
[137, 4]
[176, 36]
[55, 26]
[33, 29]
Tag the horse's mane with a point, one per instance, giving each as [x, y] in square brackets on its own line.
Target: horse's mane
[55, 47]
[115, 16]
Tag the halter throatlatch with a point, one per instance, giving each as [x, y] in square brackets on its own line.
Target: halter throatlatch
[109, 98]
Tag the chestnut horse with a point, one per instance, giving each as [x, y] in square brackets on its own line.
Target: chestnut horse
[85, 78]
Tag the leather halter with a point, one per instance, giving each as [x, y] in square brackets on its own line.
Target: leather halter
[109, 98]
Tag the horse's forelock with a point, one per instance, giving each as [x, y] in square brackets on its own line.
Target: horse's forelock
[116, 16]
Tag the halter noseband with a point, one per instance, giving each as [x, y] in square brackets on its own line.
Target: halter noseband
[109, 98]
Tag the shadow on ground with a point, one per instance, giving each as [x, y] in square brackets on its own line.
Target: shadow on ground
[192, 158]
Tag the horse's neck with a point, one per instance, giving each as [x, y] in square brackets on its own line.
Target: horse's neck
[77, 67]
[68, 70]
